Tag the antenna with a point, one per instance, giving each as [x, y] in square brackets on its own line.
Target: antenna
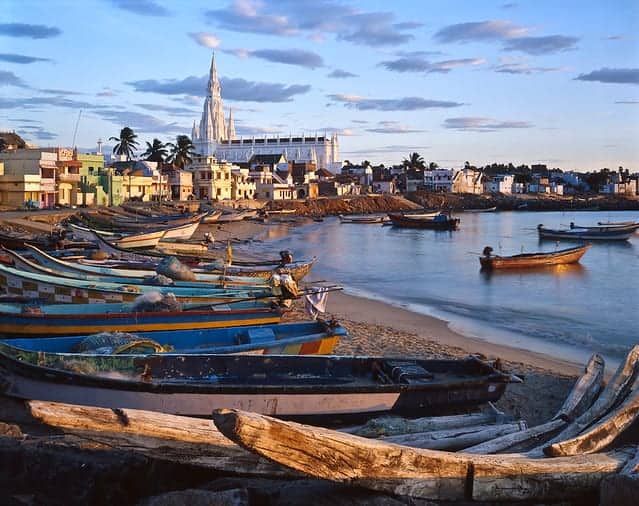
[75, 131]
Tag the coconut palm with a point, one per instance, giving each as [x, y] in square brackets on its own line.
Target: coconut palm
[156, 152]
[181, 152]
[433, 166]
[127, 143]
[414, 161]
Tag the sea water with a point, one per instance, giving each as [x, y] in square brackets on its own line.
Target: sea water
[570, 311]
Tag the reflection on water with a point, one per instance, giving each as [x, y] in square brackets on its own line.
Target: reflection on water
[592, 306]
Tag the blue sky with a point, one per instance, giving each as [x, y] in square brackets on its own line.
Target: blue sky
[553, 82]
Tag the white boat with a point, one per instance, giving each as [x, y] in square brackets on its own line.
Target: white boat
[143, 240]
[182, 232]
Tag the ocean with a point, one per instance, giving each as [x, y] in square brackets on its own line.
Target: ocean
[567, 311]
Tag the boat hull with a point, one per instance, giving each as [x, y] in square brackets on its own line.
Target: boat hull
[567, 256]
[586, 234]
[406, 221]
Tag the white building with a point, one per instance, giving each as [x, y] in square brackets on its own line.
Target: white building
[468, 180]
[211, 179]
[438, 180]
[214, 136]
[500, 183]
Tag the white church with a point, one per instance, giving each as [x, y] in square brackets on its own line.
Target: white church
[215, 137]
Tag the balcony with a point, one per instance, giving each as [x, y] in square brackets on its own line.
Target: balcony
[69, 178]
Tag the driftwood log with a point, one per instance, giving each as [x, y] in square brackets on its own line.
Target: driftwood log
[427, 474]
[614, 392]
[604, 432]
[580, 398]
[455, 439]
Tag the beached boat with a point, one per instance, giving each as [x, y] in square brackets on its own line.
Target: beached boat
[47, 320]
[297, 270]
[142, 240]
[18, 240]
[212, 216]
[363, 219]
[68, 290]
[181, 232]
[277, 385]
[616, 223]
[301, 338]
[237, 215]
[482, 210]
[525, 260]
[420, 473]
[586, 234]
[437, 222]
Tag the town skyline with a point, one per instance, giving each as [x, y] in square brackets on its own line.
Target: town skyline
[522, 83]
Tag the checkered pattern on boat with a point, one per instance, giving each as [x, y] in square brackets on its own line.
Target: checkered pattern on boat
[14, 285]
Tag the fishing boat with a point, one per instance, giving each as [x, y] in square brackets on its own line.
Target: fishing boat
[180, 232]
[632, 226]
[297, 270]
[586, 234]
[142, 240]
[438, 222]
[212, 216]
[363, 219]
[616, 223]
[301, 338]
[46, 320]
[194, 385]
[68, 290]
[18, 240]
[482, 210]
[525, 260]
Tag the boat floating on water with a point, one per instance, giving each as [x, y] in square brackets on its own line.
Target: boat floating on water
[436, 222]
[587, 234]
[525, 260]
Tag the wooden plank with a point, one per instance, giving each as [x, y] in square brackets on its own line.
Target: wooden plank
[455, 439]
[427, 474]
[613, 393]
[580, 398]
[604, 432]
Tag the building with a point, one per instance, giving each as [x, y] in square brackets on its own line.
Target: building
[29, 178]
[438, 180]
[215, 137]
[500, 183]
[181, 183]
[211, 178]
[468, 180]
[242, 185]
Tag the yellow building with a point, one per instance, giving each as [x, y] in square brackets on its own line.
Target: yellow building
[29, 178]
[211, 179]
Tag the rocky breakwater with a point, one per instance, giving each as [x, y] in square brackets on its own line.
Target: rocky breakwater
[333, 206]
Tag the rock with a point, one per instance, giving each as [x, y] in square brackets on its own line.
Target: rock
[196, 497]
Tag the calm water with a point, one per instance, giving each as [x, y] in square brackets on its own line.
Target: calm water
[569, 311]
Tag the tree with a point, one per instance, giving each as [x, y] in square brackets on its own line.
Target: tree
[414, 161]
[433, 166]
[156, 152]
[181, 152]
[127, 143]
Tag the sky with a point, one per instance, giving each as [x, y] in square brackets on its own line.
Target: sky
[527, 82]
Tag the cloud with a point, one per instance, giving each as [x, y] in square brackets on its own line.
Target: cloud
[393, 148]
[253, 130]
[106, 92]
[477, 124]
[20, 58]
[607, 75]
[8, 78]
[298, 57]
[205, 39]
[291, 17]
[38, 102]
[420, 64]
[232, 89]
[53, 91]
[29, 31]
[480, 31]
[524, 68]
[614, 37]
[399, 104]
[176, 111]
[329, 130]
[510, 5]
[38, 132]
[140, 122]
[341, 74]
[142, 7]
[392, 127]
[627, 102]
[541, 45]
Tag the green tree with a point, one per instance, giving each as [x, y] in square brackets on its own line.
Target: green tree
[156, 152]
[414, 161]
[181, 152]
[433, 166]
[127, 143]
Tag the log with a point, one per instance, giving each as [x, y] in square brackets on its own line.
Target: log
[603, 433]
[455, 439]
[392, 426]
[613, 393]
[580, 398]
[622, 488]
[427, 474]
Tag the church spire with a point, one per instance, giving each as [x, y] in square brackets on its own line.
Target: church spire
[231, 128]
[213, 125]
[194, 132]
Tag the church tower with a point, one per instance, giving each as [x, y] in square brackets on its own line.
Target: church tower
[230, 135]
[212, 124]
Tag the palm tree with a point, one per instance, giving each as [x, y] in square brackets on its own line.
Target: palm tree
[156, 152]
[433, 166]
[181, 151]
[414, 161]
[127, 143]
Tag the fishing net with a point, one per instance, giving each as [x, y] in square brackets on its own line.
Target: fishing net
[113, 343]
[151, 302]
[174, 269]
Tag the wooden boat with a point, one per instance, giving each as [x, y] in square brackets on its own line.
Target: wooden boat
[301, 338]
[616, 223]
[438, 222]
[68, 290]
[581, 234]
[19, 240]
[525, 260]
[277, 385]
[63, 268]
[419, 473]
[605, 228]
[142, 240]
[482, 210]
[237, 215]
[363, 219]
[297, 270]
[212, 216]
[181, 232]
[47, 320]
